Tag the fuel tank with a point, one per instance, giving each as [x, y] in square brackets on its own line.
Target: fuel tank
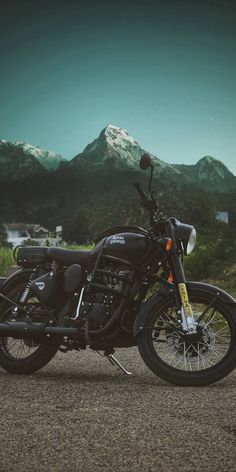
[129, 246]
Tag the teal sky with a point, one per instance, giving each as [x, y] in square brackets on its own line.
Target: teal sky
[164, 70]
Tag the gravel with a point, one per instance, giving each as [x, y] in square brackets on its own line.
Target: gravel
[80, 414]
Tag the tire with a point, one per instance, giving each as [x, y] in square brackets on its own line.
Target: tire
[193, 360]
[22, 356]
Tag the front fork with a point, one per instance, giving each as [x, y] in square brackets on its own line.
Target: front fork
[188, 323]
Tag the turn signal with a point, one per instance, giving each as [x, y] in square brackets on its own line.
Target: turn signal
[170, 278]
[165, 244]
[168, 244]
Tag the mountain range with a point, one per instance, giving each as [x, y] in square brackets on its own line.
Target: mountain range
[94, 189]
[113, 151]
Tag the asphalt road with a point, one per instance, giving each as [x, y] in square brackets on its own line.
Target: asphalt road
[80, 414]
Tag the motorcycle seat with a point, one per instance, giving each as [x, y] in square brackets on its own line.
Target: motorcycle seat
[68, 256]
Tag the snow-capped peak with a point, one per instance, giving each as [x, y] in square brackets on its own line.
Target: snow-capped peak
[116, 149]
[36, 151]
[118, 136]
[47, 159]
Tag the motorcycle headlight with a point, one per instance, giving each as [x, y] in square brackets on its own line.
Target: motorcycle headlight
[185, 237]
[191, 241]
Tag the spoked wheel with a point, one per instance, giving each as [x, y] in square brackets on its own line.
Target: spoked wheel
[198, 359]
[26, 355]
[18, 348]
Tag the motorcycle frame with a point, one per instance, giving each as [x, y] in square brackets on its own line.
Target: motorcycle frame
[143, 278]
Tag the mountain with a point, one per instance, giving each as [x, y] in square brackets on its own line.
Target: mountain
[21, 160]
[208, 173]
[116, 150]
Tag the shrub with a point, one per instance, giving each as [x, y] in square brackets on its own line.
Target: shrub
[6, 260]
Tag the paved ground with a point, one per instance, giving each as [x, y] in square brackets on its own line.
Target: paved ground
[80, 414]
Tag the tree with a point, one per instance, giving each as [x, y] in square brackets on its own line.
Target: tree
[3, 237]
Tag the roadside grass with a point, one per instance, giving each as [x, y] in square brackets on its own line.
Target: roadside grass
[78, 247]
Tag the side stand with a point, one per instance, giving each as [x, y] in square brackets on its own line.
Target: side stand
[117, 364]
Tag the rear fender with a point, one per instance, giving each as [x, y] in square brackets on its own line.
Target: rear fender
[157, 299]
[17, 277]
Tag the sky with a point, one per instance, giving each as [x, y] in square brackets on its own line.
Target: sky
[163, 70]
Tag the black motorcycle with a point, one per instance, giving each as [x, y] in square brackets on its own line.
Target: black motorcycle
[129, 290]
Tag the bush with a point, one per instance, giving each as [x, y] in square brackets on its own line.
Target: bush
[214, 254]
[6, 260]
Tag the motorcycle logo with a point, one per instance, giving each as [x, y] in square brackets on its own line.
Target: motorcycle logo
[40, 285]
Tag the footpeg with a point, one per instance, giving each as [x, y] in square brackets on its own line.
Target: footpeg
[117, 364]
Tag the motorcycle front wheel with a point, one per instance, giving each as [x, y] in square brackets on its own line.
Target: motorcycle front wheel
[190, 360]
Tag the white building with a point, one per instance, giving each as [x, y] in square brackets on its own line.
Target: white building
[223, 216]
[17, 233]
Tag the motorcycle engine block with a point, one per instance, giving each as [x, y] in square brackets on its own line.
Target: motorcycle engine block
[99, 305]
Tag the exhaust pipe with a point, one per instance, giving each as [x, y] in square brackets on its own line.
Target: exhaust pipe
[22, 329]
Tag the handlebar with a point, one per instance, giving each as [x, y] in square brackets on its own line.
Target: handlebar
[140, 191]
[149, 203]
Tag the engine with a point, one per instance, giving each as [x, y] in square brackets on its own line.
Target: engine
[105, 297]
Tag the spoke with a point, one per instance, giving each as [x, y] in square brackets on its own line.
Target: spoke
[172, 348]
[210, 318]
[173, 321]
[189, 362]
[216, 322]
[163, 328]
[202, 358]
[17, 348]
[222, 336]
[222, 329]
[20, 349]
[166, 322]
[185, 360]
[183, 356]
[11, 342]
[216, 351]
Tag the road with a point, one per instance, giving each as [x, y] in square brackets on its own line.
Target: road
[80, 414]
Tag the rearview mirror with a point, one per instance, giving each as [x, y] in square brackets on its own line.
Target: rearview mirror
[145, 161]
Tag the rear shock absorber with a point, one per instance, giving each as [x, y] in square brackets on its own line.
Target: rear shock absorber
[26, 291]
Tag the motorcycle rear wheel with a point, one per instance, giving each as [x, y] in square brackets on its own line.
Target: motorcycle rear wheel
[22, 356]
[189, 360]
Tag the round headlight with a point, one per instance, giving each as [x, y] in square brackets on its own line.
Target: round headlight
[185, 236]
[191, 241]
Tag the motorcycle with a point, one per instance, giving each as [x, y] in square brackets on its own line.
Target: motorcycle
[65, 300]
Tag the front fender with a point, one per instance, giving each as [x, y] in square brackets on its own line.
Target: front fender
[158, 297]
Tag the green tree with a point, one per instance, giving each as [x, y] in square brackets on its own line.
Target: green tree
[3, 237]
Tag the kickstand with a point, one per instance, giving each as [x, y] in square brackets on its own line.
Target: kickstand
[117, 364]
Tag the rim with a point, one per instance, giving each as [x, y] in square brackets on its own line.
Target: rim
[19, 349]
[191, 353]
